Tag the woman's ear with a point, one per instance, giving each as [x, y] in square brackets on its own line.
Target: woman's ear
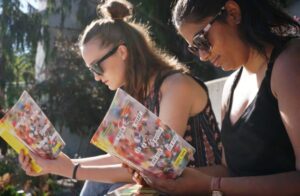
[123, 51]
[233, 12]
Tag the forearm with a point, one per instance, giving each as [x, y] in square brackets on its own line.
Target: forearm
[105, 159]
[106, 174]
[215, 170]
[277, 184]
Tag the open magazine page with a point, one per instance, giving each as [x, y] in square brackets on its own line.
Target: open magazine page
[26, 126]
[138, 137]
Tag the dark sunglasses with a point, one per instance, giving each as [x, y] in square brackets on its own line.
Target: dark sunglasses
[96, 67]
[200, 41]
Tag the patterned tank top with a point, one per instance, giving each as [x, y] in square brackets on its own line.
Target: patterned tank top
[202, 130]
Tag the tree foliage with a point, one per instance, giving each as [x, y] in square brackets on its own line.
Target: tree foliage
[72, 98]
[18, 33]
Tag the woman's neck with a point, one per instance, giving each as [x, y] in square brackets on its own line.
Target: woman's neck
[258, 61]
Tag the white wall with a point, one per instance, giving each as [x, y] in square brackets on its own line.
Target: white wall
[294, 9]
[215, 89]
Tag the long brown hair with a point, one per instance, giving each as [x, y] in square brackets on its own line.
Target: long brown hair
[144, 59]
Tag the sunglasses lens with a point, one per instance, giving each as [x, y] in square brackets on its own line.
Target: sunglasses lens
[199, 43]
[193, 50]
[202, 43]
[96, 68]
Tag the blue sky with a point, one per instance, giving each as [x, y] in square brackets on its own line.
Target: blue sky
[40, 5]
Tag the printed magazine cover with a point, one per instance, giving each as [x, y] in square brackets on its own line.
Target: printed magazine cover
[139, 138]
[26, 127]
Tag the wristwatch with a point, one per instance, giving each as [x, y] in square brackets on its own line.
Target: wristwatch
[215, 186]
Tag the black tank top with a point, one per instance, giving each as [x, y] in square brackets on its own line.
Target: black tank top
[258, 143]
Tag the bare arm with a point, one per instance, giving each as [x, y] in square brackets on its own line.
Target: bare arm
[182, 97]
[195, 182]
[98, 160]
[277, 184]
[215, 170]
[285, 85]
[64, 166]
[106, 173]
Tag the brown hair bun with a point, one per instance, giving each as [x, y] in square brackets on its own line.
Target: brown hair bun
[115, 9]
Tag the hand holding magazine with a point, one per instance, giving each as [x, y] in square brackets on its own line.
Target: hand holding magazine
[26, 127]
[139, 138]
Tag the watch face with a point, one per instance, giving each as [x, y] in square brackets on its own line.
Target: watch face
[217, 193]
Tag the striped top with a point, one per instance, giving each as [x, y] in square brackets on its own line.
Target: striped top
[202, 130]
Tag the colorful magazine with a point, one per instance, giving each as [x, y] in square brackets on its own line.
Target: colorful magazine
[139, 138]
[26, 127]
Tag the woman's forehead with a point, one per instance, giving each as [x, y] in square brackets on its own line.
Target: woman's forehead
[94, 42]
[198, 24]
[188, 29]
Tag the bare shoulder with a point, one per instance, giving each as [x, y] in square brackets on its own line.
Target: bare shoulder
[286, 68]
[181, 82]
[285, 82]
[290, 54]
[183, 85]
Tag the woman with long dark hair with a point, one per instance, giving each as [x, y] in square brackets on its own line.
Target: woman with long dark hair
[260, 104]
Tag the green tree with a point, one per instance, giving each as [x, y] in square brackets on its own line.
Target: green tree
[19, 35]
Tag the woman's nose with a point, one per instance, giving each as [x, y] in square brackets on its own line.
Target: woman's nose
[203, 55]
[97, 77]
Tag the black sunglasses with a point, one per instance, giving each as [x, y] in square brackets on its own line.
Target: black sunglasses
[200, 41]
[96, 67]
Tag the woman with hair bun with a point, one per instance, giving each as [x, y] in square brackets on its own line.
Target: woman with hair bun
[120, 53]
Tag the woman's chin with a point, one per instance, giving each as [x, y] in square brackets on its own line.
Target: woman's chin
[112, 88]
[225, 68]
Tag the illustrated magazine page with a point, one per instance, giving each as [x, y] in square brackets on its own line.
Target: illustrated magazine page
[26, 127]
[139, 138]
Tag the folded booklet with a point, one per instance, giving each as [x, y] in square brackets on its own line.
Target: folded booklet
[139, 138]
[26, 127]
